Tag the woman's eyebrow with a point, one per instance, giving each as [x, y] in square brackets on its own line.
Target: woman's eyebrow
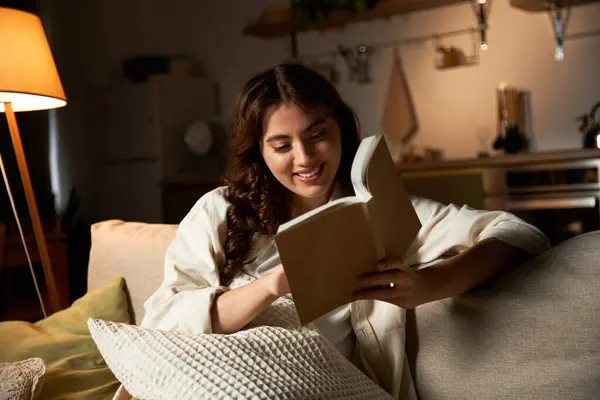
[281, 136]
[313, 124]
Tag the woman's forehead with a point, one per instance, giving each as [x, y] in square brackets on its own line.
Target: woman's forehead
[288, 116]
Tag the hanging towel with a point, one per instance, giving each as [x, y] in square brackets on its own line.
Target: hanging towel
[399, 119]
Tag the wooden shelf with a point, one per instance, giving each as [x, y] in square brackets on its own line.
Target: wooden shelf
[338, 19]
[501, 161]
[543, 5]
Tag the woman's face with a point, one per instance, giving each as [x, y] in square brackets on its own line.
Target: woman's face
[303, 152]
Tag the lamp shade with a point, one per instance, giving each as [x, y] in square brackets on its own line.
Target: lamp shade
[28, 76]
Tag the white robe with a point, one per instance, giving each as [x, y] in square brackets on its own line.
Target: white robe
[191, 278]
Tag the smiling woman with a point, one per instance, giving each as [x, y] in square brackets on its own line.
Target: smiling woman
[306, 158]
[294, 143]
[295, 138]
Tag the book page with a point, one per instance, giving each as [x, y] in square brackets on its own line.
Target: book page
[358, 173]
[319, 212]
[395, 221]
[324, 259]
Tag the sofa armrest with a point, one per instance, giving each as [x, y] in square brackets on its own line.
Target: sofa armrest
[533, 334]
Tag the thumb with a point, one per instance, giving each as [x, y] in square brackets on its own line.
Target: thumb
[404, 267]
[395, 263]
[389, 263]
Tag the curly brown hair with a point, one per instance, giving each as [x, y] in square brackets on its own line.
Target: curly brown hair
[259, 201]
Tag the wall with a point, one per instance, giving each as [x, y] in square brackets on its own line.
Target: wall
[69, 31]
[453, 106]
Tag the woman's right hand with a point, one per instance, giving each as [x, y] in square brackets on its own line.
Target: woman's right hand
[279, 283]
[234, 309]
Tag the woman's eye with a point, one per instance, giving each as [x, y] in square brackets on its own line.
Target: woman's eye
[282, 148]
[319, 134]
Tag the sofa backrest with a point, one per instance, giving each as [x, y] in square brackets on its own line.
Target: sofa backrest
[133, 250]
[533, 333]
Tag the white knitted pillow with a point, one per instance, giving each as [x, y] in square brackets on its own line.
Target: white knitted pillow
[264, 362]
[21, 380]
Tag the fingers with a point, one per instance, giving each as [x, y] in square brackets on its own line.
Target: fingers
[386, 264]
[376, 285]
[394, 271]
[397, 263]
[384, 278]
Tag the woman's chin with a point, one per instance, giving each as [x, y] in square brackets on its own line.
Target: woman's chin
[314, 191]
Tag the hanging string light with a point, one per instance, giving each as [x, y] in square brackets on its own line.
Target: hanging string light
[482, 12]
[559, 17]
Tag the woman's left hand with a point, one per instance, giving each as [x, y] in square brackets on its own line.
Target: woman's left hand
[397, 283]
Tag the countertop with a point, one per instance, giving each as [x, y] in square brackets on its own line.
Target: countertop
[502, 160]
[453, 164]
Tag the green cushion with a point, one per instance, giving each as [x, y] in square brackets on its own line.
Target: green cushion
[74, 367]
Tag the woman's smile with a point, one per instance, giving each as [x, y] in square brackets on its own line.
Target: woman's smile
[310, 175]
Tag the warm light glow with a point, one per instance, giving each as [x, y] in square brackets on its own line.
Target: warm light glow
[559, 54]
[28, 77]
[484, 46]
[598, 141]
[53, 159]
[481, 1]
[29, 102]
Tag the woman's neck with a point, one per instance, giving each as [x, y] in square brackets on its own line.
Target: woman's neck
[300, 205]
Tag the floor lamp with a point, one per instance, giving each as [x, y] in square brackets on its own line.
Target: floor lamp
[28, 81]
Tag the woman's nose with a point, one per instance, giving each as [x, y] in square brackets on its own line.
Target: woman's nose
[304, 154]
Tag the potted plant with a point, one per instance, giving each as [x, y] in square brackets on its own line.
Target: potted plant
[315, 11]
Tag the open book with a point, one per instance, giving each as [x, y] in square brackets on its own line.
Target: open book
[326, 250]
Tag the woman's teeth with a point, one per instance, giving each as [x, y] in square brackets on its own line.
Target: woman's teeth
[310, 173]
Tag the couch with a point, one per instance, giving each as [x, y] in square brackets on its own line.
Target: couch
[531, 334]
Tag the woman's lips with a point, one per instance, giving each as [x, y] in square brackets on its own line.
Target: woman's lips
[310, 176]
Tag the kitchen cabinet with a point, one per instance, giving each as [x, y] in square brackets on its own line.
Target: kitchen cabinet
[180, 195]
[139, 143]
[457, 187]
[480, 182]
[558, 192]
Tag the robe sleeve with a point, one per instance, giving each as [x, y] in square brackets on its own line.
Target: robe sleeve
[448, 229]
[191, 281]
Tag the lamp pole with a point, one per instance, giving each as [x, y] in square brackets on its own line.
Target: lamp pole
[33, 211]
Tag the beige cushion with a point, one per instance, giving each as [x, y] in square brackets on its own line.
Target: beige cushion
[534, 335]
[133, 250]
